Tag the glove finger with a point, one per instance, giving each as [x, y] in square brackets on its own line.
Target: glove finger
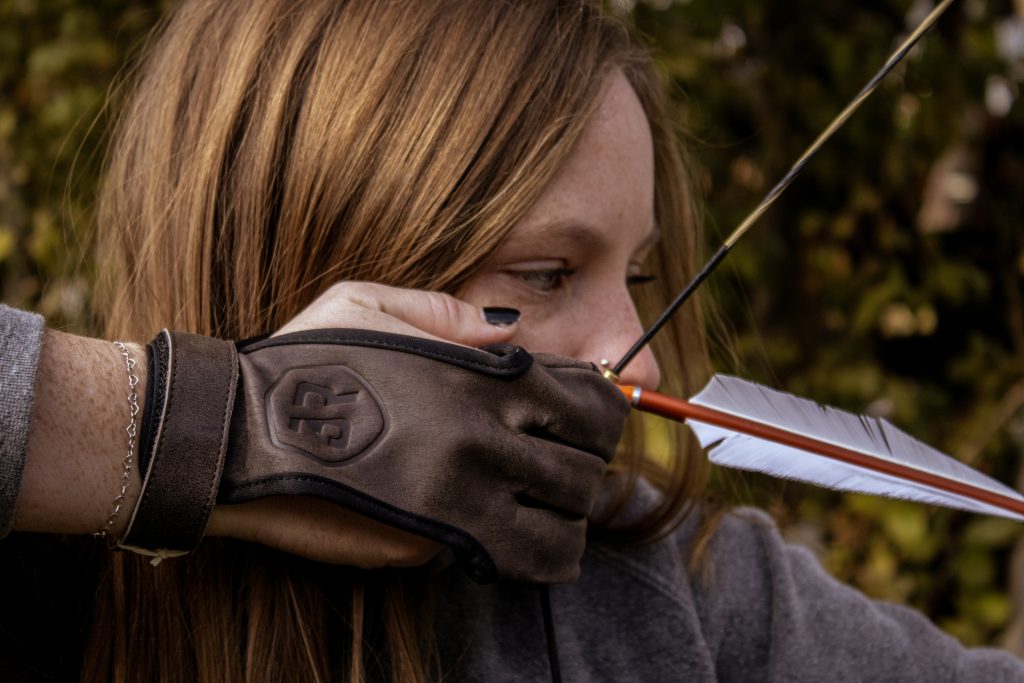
[575, 405]
[541, 546]
[560, 478]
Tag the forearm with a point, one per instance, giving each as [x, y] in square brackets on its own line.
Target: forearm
[78, 439]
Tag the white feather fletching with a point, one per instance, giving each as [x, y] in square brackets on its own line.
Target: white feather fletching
[867, 435]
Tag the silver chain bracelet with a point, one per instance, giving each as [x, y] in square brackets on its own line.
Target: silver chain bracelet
[133, 405]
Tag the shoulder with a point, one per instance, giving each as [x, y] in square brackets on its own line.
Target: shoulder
[760, 607]
[738, 550]
[739, 541]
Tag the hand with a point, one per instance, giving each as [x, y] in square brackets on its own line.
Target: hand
[76, 445]
[497, 454]
[493, 454]
[323, 531]
[369, 306]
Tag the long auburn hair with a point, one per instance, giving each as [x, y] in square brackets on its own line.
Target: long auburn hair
[273, 147]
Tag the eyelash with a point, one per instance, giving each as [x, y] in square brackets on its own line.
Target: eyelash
[548, 280]
[640, 279]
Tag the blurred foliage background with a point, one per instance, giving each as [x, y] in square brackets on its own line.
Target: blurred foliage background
[888, 280]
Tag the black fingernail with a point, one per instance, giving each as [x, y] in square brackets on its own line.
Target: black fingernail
[498, 315]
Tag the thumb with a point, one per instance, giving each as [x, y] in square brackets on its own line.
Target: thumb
[451, 319]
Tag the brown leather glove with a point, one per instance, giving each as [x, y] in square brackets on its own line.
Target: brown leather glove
[495, 453]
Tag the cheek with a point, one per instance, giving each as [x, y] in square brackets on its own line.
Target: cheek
[562, 332]
[548, 323]
[567, 322]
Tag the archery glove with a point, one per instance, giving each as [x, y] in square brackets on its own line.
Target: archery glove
[496, 453]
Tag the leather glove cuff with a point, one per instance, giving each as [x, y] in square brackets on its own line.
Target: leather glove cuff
[181, 450]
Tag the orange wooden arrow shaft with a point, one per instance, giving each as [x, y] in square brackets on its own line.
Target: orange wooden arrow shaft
[680, 411]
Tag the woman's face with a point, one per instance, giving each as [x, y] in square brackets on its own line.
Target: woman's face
[569, 264]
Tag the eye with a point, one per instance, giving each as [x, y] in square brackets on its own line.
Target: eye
[545, 280]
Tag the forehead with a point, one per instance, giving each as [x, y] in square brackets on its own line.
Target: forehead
[617, 132]
[606, 183]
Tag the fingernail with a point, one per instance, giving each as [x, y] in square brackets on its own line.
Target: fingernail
[498, 315]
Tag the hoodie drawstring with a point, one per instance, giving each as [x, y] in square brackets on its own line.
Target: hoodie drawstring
[549, 632]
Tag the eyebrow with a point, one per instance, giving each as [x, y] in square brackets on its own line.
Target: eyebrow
[578, 234]
[558, 231]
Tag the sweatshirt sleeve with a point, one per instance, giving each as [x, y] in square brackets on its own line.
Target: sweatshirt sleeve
[770, 612]
[21, 339]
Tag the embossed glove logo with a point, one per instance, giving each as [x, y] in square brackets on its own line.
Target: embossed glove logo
[329, 412]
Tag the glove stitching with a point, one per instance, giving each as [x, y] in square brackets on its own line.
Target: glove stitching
[569, 364]
[373, 501]
[482, 560]
[214, 482]
[355, 341]
[157, 459]
[156, 352]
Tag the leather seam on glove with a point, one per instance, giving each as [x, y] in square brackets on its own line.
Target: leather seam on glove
[472, 551]
[215, 475]
[156, 355]
[416, 345]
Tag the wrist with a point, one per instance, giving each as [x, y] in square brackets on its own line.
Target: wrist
[77, 439]
[133, 357]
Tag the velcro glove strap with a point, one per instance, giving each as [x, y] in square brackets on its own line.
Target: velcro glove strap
[190, 400]
[495, 453]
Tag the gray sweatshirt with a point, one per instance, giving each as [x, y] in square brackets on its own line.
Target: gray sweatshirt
[766, 611]
[21, 337]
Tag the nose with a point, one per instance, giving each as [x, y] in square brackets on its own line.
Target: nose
[620, 329]
[642, 371]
